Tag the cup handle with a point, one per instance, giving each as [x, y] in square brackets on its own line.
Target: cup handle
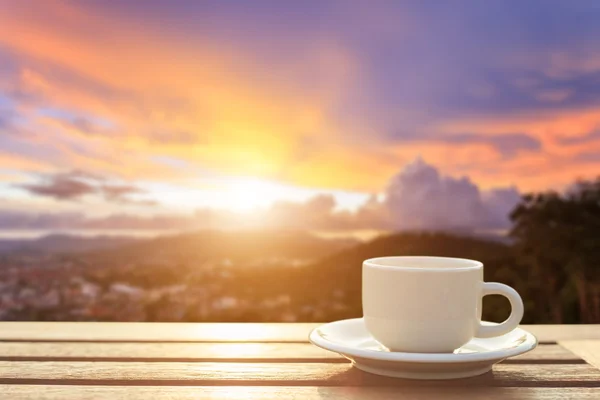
[516, 313]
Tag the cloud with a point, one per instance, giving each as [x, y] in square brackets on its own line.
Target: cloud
[119, 193]
[498, 203]
[86, 125]
[75, 185]
[22, 220]
[554, 95]
[4, 121]
[66, 186]
[592, 136]
[589, 157]
[507, 144]
[176, 137]
[418, 197]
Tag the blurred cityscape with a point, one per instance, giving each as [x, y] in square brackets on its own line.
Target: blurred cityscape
[71, 288]
[161, 286]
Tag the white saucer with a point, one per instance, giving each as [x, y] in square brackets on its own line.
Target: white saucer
[351, 339]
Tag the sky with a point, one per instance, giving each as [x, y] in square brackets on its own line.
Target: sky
[339, 115]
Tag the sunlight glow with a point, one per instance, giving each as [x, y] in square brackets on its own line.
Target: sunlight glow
[243, 194]
[236, 194]
[251, 193]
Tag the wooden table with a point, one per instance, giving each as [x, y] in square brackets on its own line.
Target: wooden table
[261, 361]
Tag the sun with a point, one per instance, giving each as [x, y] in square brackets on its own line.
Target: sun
[236, 194]
[245, 194]
[242, 194]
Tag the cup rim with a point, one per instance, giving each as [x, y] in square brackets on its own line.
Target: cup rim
[469, 265]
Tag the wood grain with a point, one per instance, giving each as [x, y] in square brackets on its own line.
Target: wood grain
[273, 374]
[218, 332]
[35, 392]
[257, 352]
[555, 333]
[154, 332]
[589, 350]
[246, 352]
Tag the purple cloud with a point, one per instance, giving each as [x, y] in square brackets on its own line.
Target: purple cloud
[4, 121]
[75, 185]
[419, 197]
[508, 145]
[64, 186]
[590, 137]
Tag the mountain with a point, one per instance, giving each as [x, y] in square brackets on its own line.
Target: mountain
[240, 247]
[58, 243]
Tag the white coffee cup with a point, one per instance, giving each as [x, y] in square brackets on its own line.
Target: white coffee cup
[430, 304]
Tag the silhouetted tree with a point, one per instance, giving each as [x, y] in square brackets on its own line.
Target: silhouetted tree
[558, 235]
[585, 263]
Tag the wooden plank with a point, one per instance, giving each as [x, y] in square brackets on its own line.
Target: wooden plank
[258, 352]
[555, 333]
[270, 374]
[154, 332]
[217, 332]
[246, 352]
[35, 392]
[546, 353]
[589, 350]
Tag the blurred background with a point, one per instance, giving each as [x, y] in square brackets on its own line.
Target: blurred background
[237, 161]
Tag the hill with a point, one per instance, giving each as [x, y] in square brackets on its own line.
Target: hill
[58, 243]
[238, 247]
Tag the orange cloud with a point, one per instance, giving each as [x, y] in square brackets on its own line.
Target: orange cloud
[221, 111]
[557, 165]
[17, 162]
[236, 118]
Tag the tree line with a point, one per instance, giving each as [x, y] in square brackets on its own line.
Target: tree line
[557, 235]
